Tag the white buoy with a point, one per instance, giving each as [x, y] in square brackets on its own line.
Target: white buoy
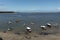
[9, 29]
[28, 28]
[10, 22]
[48, 24]
[43, 27]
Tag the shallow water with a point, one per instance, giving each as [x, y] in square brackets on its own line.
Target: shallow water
[37, 18]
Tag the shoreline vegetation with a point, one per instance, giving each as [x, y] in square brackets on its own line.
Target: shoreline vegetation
[7, 12]
[25, 12]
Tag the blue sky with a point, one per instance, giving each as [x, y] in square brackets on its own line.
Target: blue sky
[30, 5]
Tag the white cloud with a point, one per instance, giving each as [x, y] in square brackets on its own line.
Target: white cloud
[58, 8]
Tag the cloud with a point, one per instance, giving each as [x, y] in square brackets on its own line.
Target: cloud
[58, 8]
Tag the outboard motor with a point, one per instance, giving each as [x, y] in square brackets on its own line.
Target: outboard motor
[28, 29]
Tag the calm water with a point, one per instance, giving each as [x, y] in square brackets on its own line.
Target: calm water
[37, 18]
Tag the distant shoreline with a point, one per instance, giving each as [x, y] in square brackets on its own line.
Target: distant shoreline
[7, 12]
[26, 12]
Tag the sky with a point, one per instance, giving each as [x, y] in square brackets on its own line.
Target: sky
[30, 5]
